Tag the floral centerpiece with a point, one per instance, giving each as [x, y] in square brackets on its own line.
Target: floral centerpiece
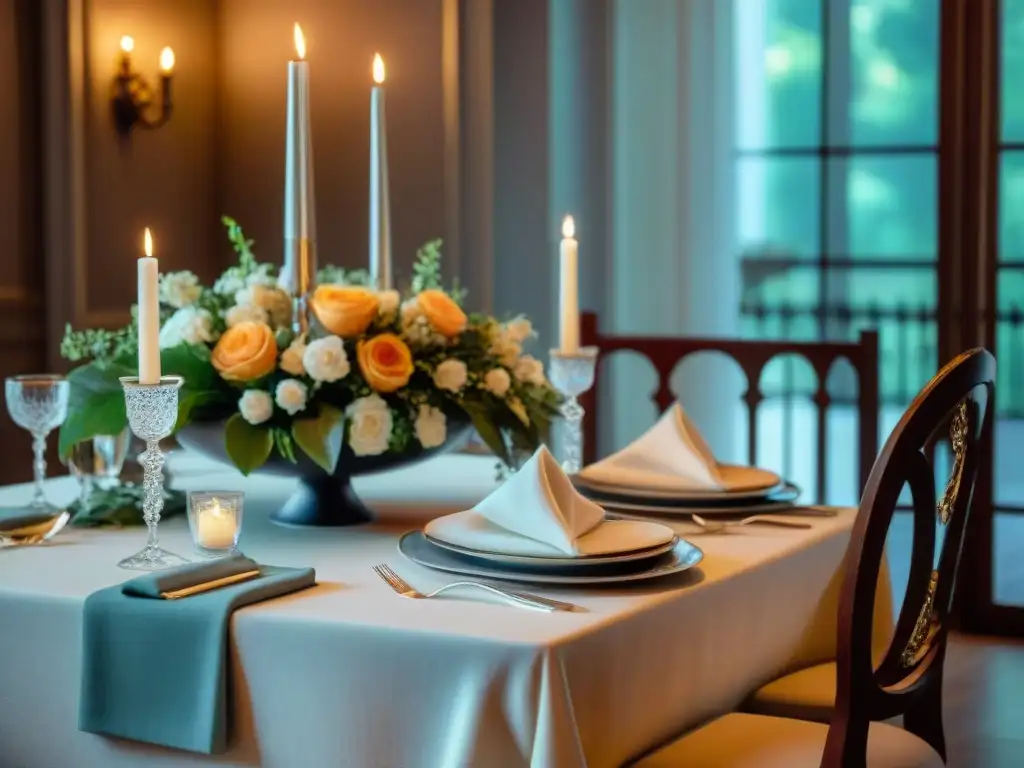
[377, 373]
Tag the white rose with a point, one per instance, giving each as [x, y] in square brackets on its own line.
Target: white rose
[255, 406]
[325, 359]
[389, 302]
[290, 396]
[529, 370]
[245, 313]
[505, 348]
[275, 302]
[450, 375]
[291, 358]
[497, 381]
[188, 325]
[431, 427]
[519, 329]
[229, 283]
[261, 276]
[370, 424]
[179, 289]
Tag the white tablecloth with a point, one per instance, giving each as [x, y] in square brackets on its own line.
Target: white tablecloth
[350, 675]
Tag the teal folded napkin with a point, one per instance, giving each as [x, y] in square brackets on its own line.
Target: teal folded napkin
[155, 670]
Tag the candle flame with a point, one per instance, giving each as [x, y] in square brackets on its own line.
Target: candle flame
[300, 42]
[568, 227]
[167, 61]
[147, 241]
[127, 43]
[215, 509]
[378, 69]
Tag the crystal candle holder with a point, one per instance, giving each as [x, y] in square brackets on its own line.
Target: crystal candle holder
[572, 374]
[152, 412]
[215, 519]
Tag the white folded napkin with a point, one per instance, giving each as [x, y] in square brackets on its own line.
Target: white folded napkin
[540, 503]
[670, 456]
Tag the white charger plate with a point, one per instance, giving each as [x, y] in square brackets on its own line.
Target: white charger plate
[783, 502]
[414, 546]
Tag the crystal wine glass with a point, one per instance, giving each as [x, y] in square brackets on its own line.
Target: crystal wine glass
[38, 403]
[572, 374]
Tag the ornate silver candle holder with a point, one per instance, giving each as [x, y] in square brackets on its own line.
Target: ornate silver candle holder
[152, 412]
[572, 374]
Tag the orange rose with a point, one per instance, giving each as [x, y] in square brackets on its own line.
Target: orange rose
[345, 310]
[442, 312]
[245, 352]
[385, 361]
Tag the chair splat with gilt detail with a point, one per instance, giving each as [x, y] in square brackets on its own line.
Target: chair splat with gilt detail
[666, 352]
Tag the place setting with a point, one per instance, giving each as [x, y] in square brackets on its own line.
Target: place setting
[670, 474]
[536, 528]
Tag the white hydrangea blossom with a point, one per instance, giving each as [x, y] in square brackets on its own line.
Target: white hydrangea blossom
[179, 289]
[188, 325]
[242, 313]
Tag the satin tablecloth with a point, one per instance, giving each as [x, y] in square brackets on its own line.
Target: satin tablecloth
[349, 675]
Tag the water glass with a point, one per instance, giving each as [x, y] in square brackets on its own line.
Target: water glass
[215, 520]
[99, 461]
[39, 404]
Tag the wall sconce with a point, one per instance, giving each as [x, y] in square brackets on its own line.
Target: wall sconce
[133, 95]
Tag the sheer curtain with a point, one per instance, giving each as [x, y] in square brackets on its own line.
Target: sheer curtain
[674, 267]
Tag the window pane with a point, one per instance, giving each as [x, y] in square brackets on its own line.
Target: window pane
[1013, 70]
[894, 46]
[777, 207]
[778, 73]
[1009, 424]
[1011, 207]
[891, 204]
[900, 303]
[781, 305]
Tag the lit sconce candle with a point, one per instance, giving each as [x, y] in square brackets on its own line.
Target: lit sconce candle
[167, 62]
[569, 304]
[149, 315]
[129, 86]
[299, 272]
[380, 203]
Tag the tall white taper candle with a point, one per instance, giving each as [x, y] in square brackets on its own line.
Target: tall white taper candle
[380, 203]
[569, 303]
[149, 315]
[298, 275]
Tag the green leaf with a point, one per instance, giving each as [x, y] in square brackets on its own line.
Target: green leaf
[247, 446]
[101, 414]
[95, 403]
[487, 430]
[191, 361]
[321, 438]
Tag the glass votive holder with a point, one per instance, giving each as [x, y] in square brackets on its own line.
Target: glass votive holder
[215, 519]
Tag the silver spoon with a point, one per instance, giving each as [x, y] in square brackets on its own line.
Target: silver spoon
[34, 532]
[721, 525]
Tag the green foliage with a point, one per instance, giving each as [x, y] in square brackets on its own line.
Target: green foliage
[489, 432]
[335, 275]
[121, 506]
[321, 437]
[283, 444]
[240, 244]
[95, 403]
[247, 446]
[426, 272]
[98, 344]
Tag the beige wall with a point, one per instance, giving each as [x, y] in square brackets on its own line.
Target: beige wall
[256, 39]
[164, 179]
[222, 151]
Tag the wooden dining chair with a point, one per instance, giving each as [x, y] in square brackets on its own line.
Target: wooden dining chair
[666, 352]
[908, 680]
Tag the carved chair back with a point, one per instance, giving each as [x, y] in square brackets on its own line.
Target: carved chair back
[908, 681]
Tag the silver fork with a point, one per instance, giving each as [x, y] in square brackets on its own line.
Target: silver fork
[403, 588]
[720, 525]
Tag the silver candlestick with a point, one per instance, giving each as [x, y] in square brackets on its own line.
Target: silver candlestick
[572, 374]
[152, 413]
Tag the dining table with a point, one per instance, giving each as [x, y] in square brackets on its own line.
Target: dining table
[350, 674]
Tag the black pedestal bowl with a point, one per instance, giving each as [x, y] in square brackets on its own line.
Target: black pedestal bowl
[322, 499]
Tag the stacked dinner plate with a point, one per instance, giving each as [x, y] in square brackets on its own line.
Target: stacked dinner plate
[743, 491]
[670, 470]
[536, 528]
